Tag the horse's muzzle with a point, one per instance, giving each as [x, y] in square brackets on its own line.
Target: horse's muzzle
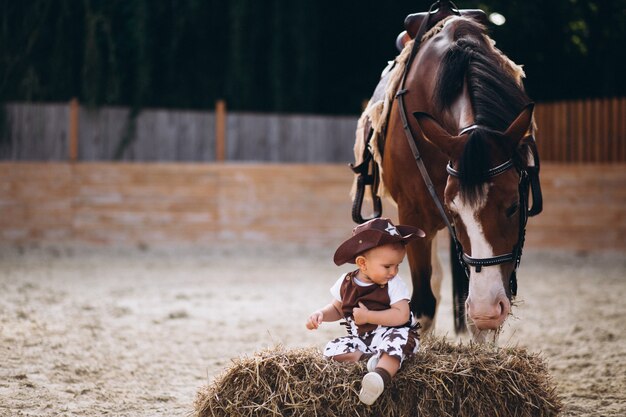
[488, 315]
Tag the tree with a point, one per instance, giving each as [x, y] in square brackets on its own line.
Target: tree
[317, 56]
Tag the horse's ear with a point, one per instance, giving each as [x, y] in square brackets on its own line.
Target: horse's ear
[521, 125]
[438, 136]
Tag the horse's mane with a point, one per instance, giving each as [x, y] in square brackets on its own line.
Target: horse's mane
[496, 94]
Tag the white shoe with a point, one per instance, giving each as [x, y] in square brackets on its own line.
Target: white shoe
[372, 386]
[372, 362]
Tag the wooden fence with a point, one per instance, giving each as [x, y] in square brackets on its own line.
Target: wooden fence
[582, 131]
[44, 132]
[573, 131]
[156, 204]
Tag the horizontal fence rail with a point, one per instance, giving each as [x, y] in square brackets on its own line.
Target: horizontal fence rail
[158, 204]
[571, 131]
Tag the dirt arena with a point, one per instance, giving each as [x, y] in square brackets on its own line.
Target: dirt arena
[136, 332]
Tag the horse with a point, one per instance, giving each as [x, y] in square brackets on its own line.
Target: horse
[456, 152]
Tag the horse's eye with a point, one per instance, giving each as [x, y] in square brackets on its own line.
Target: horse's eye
[512, 210]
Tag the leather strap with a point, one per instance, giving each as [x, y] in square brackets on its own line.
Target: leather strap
[364, 179]
[492, 172]
[413, 145]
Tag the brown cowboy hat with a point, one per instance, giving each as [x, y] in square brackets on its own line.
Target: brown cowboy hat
[371, 234]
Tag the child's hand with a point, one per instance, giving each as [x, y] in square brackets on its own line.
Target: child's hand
[360, 314]
[315, 320]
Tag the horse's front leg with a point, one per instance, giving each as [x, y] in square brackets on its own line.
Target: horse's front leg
[423, 301]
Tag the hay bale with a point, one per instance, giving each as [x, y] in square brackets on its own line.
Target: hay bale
[441, 380]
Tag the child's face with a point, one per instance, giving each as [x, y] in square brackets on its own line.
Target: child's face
[379, 265]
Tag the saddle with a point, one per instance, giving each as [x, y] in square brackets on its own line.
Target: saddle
[413, 22]
[367, 171]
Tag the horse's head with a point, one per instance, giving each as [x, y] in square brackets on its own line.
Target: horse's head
[482, 195]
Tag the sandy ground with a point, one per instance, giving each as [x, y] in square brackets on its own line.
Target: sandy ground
[136, 333]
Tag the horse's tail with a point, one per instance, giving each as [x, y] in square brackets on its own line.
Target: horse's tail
[460, 288]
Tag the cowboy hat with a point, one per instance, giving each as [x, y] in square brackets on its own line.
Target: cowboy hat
[371, 234]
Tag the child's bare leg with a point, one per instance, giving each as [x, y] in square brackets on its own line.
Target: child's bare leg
[349, 357]
[389, 364]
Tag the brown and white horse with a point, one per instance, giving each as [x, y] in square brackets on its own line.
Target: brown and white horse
[463, 105]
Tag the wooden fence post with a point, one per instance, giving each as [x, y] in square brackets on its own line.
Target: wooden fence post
[73, 131]
[220, 130]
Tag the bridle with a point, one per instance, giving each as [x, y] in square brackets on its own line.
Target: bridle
[528, 178]
[516, 253]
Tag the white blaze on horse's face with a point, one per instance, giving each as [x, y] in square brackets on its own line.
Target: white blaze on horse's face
[487, 304]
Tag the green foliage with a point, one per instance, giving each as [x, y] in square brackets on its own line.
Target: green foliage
[318, 56]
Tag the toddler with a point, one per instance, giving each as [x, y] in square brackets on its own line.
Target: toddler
[374, 302]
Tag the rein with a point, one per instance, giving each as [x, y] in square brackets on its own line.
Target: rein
[528, 177]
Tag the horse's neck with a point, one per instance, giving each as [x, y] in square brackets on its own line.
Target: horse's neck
[461, 112]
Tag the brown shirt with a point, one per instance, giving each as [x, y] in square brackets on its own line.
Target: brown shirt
[374, 297]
